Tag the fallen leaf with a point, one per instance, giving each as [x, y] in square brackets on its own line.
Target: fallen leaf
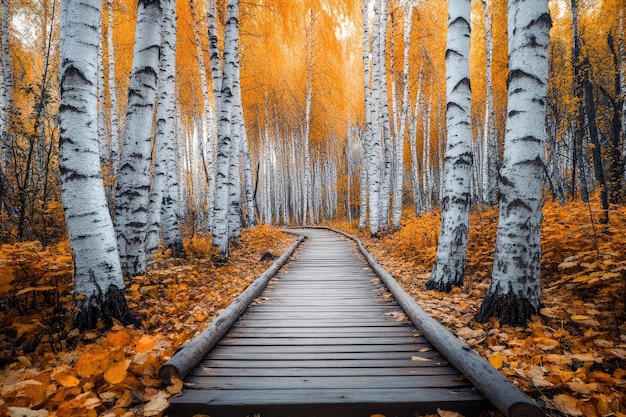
[26, 412]
[116, 373]
[496, 360]
[145, 343]
[566, 404]
[156, 405]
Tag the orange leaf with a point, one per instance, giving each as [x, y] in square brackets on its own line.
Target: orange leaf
[89, 364]
[496, 360]
[116, 373]
[65, 378]
[118, 339]
[145, 343]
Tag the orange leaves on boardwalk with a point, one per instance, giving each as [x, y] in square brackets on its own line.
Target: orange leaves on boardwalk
[49, 369]
[572, 356]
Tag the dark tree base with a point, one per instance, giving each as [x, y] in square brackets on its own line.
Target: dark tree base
[510, 309]
[104, 307]
[178, 251]
[433, 284]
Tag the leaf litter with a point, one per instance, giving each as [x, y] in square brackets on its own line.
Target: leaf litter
[51, 370]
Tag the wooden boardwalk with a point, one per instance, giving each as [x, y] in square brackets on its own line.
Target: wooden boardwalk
[324, 338]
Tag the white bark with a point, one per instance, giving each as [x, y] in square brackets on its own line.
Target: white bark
[164, 191]
[214, 55]
[449, 267]
[115, 124]
[400, 133]
[415, 173]
[490, 147]
[133, 179]
[362, 181]
[7, 86]
[98, 283]
[515, 291]
[373, 138]
[224, 134]
[208, 148]
[387, 158]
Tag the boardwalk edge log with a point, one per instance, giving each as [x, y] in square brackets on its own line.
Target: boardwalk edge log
[191, 353]
[496, 388]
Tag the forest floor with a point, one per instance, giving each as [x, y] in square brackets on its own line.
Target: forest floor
[48, 369]
[572, 357]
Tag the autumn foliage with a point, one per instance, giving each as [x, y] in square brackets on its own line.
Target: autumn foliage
[572, 356]
[55, 370]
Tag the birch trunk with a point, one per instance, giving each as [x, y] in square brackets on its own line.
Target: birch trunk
[387, 159]
[214, 55]
[415, 176]
[162, 210]
[224, 138]
[98, 283]
[208, 148]
[449, 267]
[399, 150]
[374, 144]
[133, 177]
[490, 147]
[7, 87]
[114, 118]
[515, 291]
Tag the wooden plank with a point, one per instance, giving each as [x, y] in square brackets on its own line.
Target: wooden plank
[328, 363]
[324, 372]
[247, 350]
[401, 402]
[326, 382]
[232, 354]
[315, 341]
[317, 332]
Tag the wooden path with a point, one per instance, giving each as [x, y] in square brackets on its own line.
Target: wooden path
[325, 338]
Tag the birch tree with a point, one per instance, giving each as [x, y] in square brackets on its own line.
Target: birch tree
[207, 149]
[164, 191]
[7, 86]
[406, 106]
[98, 283]
[133, 176]
[114, 117]
[449, 267]
[490, 141]
[373, 136]
[224, 138]
[515, 291]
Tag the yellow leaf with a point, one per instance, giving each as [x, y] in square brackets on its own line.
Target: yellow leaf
[145, 343]
[65, 378]
[116, 373]
[419, 359]
[580, 317]
[496, 360]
